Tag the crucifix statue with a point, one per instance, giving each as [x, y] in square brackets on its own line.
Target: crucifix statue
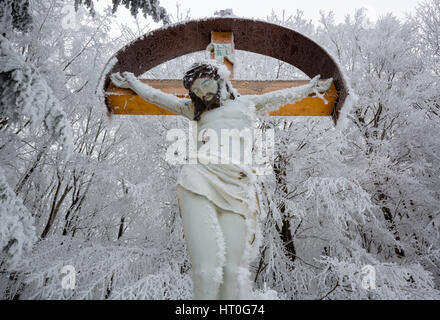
[218, 194]
[218, 201]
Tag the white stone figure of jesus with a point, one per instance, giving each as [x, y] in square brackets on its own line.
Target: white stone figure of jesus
[219, 200]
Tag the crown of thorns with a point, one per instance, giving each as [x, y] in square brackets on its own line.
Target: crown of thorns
[199, 70]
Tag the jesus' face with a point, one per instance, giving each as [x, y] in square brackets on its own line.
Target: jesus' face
[206, 89]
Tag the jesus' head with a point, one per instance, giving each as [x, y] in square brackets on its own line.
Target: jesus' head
[208, 86]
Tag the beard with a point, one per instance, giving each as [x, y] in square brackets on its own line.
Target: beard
[212, 102]
[202, 105]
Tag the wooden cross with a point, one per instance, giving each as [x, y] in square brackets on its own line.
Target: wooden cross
[125, 101]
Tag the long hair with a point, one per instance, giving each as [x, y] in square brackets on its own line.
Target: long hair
[209, 70]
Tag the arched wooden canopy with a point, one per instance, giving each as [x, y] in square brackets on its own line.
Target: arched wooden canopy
[249, 35]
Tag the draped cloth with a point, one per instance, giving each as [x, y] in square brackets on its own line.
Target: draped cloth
[231, 187]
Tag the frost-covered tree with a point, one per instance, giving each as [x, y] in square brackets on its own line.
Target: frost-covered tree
[21, 18]
[149, 8]
[87, 196]
[26, 99]
[392, 79]
[426, 23]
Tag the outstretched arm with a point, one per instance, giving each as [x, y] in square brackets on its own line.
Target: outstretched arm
[273, 100]
[164, 100]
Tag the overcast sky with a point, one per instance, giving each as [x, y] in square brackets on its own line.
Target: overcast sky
[260, 9]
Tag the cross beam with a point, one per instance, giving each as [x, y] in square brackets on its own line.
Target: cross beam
[125, 101]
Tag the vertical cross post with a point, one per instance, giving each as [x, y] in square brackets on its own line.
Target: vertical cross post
[222, 49]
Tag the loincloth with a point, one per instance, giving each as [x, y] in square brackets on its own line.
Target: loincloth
[230, 187]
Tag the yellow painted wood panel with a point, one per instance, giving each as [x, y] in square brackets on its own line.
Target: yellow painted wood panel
[125, 101]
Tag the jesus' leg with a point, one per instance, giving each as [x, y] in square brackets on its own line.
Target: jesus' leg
[234, 231]
[197, 214]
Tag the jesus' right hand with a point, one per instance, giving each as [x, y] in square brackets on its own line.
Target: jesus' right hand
[122, 81]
